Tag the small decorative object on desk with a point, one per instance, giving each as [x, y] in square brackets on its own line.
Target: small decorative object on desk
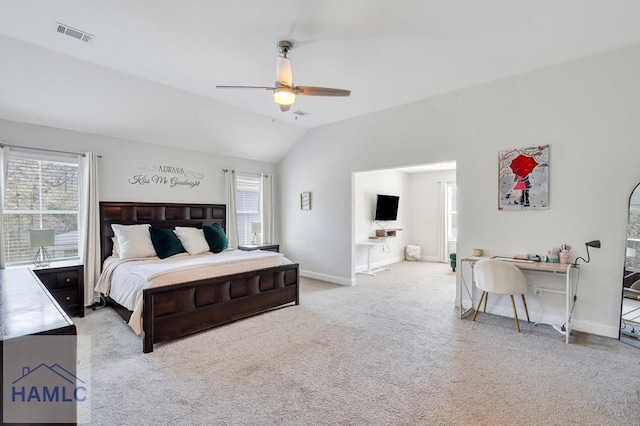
[477, 252]
[564, 254]
[554, 255]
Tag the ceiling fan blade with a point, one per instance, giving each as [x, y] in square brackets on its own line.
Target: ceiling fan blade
[321, 91]
[284, 74]
[246, 87]
[284, 108]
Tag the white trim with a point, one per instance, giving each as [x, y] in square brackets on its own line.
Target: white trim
[431, 259]
[547, 319]
[329, 278]
[380, 264]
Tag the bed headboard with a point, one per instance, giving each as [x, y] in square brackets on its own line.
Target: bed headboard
[162, 215]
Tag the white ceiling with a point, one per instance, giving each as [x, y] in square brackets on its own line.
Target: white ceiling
[150, 72]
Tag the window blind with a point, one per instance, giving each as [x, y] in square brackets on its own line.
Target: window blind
[247, 205]
[41, 193]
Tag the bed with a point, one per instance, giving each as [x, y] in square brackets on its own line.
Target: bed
[176, 310]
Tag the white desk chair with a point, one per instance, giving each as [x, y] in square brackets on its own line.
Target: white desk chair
[496, 276]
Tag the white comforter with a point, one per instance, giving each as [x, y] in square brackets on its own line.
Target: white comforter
[124, 279]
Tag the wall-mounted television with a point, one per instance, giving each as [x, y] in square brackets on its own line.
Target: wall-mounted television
[387, 207]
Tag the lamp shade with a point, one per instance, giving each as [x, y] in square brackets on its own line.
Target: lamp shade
[256, 227]
[41, 238]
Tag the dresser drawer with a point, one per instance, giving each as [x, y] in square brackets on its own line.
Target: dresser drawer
[67, 279]
[66, 298]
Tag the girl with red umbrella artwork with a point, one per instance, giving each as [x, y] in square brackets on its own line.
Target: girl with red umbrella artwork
[524, 166]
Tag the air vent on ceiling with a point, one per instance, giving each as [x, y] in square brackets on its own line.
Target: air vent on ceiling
[73, 32]
[300, 113]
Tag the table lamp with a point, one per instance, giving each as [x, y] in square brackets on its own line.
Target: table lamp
[41, 238]
[256, 228]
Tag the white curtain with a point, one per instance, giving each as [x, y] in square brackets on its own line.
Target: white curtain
[267, 209]
[230, 192]
[89, 224]
[4, 161]
[443, 243]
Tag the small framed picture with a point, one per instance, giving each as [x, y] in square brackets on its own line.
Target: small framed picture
[305, 200]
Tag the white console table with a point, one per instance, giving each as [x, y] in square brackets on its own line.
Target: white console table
[369, 244]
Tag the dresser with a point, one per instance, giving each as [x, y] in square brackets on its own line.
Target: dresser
[65, 282]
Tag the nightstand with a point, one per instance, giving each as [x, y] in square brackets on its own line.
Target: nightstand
[265, 246]
[65, 282]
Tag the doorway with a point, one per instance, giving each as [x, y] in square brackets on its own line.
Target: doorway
[426, 213]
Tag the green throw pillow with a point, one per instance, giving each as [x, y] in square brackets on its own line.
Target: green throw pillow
[216, 238]
[165, 241]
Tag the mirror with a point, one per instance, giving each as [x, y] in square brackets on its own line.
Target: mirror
[630, 314]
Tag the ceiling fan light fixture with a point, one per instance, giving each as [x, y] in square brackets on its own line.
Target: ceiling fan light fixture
[284, 96]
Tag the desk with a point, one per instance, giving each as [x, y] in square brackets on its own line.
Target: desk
[563, 270]
[28, 309]
[369, 244]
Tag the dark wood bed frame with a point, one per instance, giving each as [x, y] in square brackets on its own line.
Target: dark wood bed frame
[177, 310]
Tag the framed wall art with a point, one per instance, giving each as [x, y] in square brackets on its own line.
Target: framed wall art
[305, 200]
[523, 178]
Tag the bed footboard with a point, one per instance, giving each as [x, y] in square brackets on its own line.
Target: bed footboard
[177, 310]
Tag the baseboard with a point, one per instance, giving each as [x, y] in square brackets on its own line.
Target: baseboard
[431, 259]
[583, 326]
[328, 278]
[379, 264]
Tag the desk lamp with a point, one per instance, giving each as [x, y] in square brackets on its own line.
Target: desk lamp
[594, 244]
[41, 238]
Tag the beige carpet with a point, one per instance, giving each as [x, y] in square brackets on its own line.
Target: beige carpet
[388, 351]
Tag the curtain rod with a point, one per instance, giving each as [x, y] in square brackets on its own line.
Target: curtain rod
[246, 173]
[82, 154]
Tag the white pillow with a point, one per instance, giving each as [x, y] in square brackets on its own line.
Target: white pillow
[116, 247]
[192, 239]
[133, 241]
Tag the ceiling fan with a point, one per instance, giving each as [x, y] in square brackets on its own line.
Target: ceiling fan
[284, 92]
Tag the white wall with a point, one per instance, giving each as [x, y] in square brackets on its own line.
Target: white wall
[588, 111]
[123, 159]
[367, 185]
[425, 212]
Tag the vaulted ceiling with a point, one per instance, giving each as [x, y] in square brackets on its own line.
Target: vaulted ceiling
[150, 69]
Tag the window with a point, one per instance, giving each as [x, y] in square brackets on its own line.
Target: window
[247, 205]
[41, 193]
[452, 216]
